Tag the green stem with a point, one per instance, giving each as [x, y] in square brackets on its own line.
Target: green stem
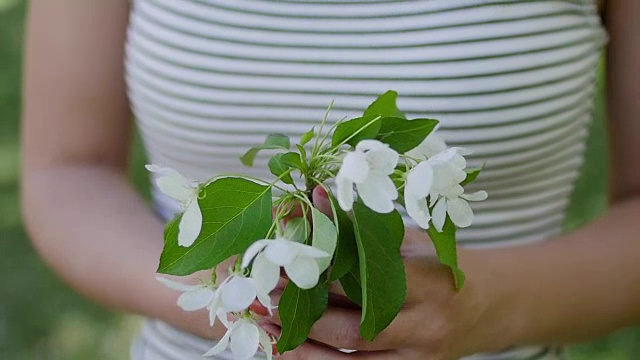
[324, 121]
[237, 267]
[273, 183]
[214, 275]
[324, 138]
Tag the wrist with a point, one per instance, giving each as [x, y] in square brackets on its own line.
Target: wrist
[493, 303]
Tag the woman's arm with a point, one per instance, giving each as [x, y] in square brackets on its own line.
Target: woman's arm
[575, 288]
[595, 271]
[623, 79]
[82, 214]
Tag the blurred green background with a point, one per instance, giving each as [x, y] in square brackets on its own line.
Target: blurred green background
[41, 318]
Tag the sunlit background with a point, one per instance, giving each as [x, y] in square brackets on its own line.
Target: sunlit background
[41, 318]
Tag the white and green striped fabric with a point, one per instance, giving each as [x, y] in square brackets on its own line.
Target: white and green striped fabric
[513, 80]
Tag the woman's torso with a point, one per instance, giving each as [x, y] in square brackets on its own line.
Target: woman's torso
[511, 80]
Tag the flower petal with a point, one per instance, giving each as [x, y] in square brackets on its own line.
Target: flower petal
[266, 344]
[220, 346]
[430, 146]
[253, 250]
[418, 210]
[190, 224]
[453, 192]
[460, 212]
[265, 273]
[281, 251]
[344, 192]
[152, 168]
[440, 214]
[304, 272]
[419, 181]
[459, 161]
[383, 160]
[433, 197]
[434, 144]
[213, 307]
[463, 151]
[367, 145]
[238, 293]
[175, 285]
[245, 340]
[265, 300]
[222, 315]
[173, 184]
[354, 167]
[310, 251]
[444, 156]
[196, 300]
[378, 193]
[476, 196]
[445, 176]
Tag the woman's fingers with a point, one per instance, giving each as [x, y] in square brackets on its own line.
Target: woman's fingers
[309, 351]
[314, 351]
[293, 210]
[321, 201]
[340, 328]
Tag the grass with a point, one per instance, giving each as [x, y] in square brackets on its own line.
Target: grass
[41, 318]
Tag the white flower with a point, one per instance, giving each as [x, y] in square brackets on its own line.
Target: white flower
[448, 170]
[433, 177]
[186, 191]
[368, 167]
[430, 146]
[440, 177]
[196, 297]
[455, 204]
[235, 294]
[297, 259]
[417, 188]
[244, 338]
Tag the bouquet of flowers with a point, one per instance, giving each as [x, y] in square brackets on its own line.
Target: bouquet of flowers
[390, 161]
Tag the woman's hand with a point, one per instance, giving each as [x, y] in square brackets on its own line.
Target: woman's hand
[437, 322]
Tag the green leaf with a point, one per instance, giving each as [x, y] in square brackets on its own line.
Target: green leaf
[299, 310]
[472, 174]
[325, 237]
[353, 131]
[445, 244]
[297, 229]
[282, 162]
[292, 160]
[306, 137]
[346, 255]
[303, 153]
[382, 273]
[403, 135]
[385, 105]
[351, 285]
[235, 213]
[272, 142]
[278, 168]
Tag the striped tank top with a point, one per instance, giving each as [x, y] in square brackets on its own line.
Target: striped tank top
[512, 80]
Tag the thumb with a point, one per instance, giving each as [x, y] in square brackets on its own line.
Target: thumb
[321, 201]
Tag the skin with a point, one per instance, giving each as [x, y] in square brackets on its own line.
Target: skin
[77, 201]
[78, 205]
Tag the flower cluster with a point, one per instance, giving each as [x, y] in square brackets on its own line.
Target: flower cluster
[235, 295]
[432, 187]
[378, 162]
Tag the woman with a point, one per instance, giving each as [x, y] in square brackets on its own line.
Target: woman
[512, 80]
